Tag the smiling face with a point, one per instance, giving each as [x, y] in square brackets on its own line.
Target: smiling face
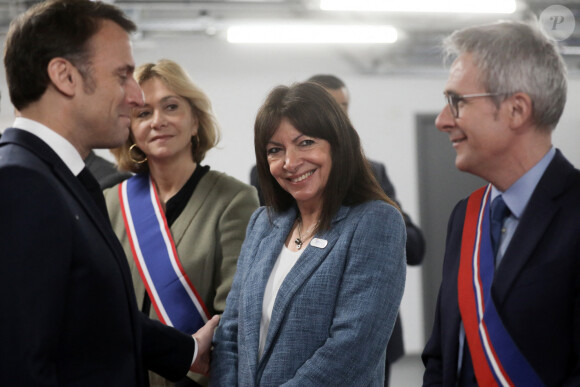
[300, 164]
[164, 126]
[109, 92]
[480, 135]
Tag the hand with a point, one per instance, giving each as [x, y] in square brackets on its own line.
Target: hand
[204, 337]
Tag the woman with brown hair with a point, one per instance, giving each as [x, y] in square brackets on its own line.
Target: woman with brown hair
[322, 270]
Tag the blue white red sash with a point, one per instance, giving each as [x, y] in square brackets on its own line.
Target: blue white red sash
[497, 360]
[172, 294]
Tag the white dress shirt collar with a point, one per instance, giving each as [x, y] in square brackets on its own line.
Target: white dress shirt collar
[60, 145]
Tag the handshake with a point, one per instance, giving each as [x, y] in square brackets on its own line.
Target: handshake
[204, 337]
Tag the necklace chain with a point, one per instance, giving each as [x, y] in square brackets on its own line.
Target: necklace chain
[300, 240]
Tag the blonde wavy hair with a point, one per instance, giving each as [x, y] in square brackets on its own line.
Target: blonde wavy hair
[177, 80]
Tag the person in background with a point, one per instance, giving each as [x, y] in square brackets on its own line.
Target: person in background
[322, 270]
[415, 246]
[508, 310]
[70, 316]
[105, 171]
[175, 204]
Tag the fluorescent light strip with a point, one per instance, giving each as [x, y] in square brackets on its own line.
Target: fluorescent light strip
[312, 34]
[570, 50]
[425, 6]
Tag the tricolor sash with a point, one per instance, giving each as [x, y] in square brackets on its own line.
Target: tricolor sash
[172, 294]
[497, 360]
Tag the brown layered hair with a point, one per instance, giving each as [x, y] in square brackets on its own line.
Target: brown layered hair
[313, 112]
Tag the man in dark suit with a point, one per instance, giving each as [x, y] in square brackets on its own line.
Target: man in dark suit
[69, 311]
[508, 310]
[105, 171]
[415, 246]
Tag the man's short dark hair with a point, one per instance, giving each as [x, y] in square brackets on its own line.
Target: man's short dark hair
[48, 30]
[327, 81]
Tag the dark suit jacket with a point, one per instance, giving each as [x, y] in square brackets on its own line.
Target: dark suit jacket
[105, 171]
[69, 313]
[536, 288]
[415, 247]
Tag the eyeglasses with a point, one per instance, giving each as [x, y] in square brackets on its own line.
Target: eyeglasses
[454, 99]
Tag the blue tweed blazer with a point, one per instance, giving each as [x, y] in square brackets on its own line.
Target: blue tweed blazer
[334, 312]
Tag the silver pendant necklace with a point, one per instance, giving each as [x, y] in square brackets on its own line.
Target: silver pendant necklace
[300, 240]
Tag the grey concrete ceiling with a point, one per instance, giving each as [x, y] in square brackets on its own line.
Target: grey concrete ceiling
[416, 50]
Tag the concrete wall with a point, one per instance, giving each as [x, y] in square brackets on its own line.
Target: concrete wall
[383, 108]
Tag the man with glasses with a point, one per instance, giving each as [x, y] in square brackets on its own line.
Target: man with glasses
[508, 310]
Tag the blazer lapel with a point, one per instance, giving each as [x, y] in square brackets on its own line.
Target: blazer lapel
[102, 223]
[267, 252]
[308, 262]
[536, 217]
[74, 186]
[200, 195]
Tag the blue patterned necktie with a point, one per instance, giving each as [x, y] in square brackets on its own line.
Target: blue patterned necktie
[499, 211]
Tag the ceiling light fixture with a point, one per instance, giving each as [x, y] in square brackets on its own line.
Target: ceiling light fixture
[312, 34]
[425, 6]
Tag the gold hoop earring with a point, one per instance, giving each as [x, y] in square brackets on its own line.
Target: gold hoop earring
[141, 155]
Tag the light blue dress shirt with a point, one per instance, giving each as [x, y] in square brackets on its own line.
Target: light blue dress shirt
[516, 197]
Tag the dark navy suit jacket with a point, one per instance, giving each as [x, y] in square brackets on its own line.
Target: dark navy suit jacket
[536, 288]
[69, 312]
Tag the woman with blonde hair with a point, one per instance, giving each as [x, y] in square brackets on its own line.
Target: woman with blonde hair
[181, 224]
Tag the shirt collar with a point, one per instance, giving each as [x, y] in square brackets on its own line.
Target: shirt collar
[60, 145]
[516, 197]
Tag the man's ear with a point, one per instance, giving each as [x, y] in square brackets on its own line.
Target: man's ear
[521, 110]
[63, 75]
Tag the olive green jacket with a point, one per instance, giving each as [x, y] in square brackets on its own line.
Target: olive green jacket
[208, 236]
